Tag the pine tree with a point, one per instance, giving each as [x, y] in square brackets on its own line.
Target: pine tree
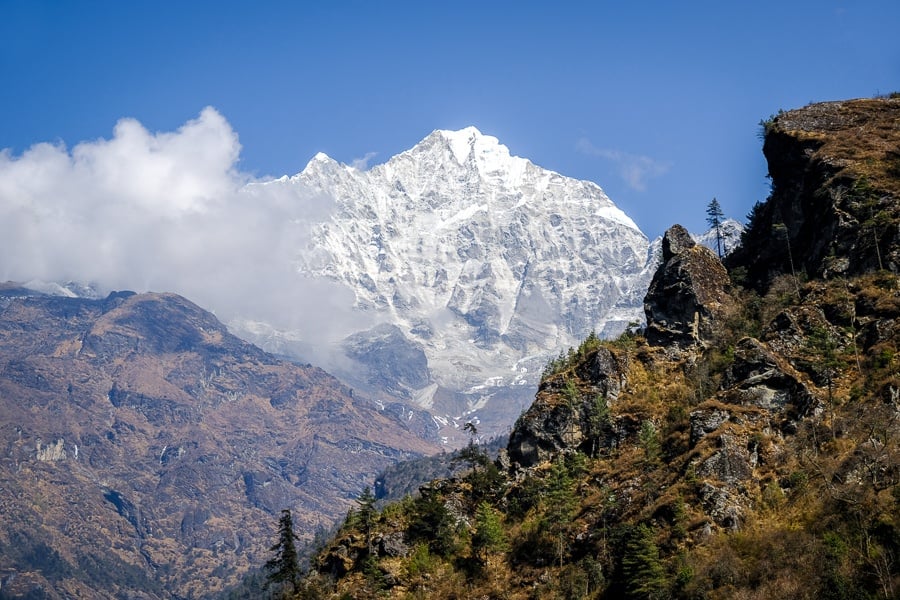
[714, 217]
[284, 567]
[642, 570]
[489, 535]
[367, 513]
[649, 440]
[560, 505]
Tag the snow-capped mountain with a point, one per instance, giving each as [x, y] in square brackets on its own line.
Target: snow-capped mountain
[474, 267]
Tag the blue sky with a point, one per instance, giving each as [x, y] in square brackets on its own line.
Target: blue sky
[658, 102]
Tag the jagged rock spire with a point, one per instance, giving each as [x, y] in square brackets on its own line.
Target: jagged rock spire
[688, 293]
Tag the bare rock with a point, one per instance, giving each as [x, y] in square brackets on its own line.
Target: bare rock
[557, 423]
[688, 294]
[730, 463]
[758, 377]
[722, 506]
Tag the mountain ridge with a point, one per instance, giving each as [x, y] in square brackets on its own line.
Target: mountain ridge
[745, 445]
[144, 449]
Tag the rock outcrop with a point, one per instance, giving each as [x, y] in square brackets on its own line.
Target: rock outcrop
[688, 293]
[566, 416]
[834, 207]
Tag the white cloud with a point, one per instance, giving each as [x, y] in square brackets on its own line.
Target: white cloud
[633, 168]
[168, 212]
[361, 164]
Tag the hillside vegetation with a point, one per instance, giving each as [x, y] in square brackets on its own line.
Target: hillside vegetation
[745, 445]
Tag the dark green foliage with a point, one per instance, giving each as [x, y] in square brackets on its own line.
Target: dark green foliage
[33, 554]
[487, 482]
[559, 508]
[754, 220]
[251, 587]
[524, 497]
[405, 478]
[374, 574]
[643, 573]
[366, 513]
[111, 570]
[573, 356]
[573, 396]
[433, 524]
[649, 440]
[284, 568]
[472, 456]
[559, 494]
[599, 422]
[30, 553]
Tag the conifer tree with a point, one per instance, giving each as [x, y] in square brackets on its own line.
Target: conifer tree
[714, 217]
[367, 513]
[560, 505]
[284, 567]
[642, 570]
[489, 535]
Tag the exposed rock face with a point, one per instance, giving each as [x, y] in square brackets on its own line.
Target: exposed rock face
[833, 210]
[687, 294]
[760, 378]
[141, 441]
[394, 363]
[563, 418]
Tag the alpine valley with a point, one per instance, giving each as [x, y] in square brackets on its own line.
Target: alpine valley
[146, 450]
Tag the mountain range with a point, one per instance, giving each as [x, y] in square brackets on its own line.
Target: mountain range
[147, 448]
[744, 444]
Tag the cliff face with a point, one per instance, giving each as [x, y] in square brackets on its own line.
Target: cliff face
[146, 452]
[833, 210]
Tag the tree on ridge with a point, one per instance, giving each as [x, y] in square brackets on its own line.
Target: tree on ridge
[714, 218]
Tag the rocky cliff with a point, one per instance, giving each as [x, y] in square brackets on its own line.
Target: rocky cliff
[833, 211]
[146, 453]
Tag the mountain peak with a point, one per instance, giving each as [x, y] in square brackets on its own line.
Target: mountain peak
[320, 159]
[463, 141]
[460, 246]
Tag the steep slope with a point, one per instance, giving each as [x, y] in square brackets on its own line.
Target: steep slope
[146, 452]
[747, 447]
[481, 263]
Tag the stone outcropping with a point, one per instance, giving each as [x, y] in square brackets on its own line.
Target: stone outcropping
[564, 418]
[689, 292]
[833, 210]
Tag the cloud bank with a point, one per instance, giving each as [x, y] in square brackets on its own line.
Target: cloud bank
[168, 211]
[633, 168]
